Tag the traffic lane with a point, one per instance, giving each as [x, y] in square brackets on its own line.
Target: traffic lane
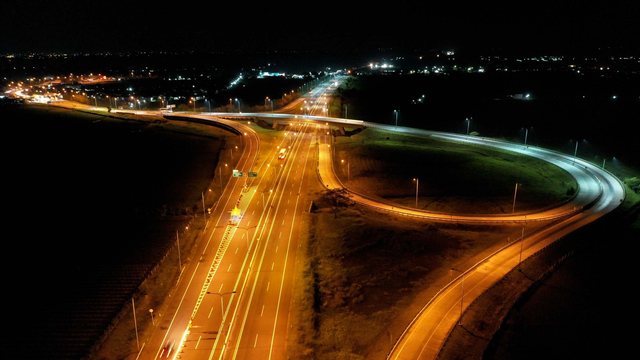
[263, 329]
[430, 331]
[281, 328]
[173, 323]
[278, 334]
[231, 267]
[230, 277]
[279, 186]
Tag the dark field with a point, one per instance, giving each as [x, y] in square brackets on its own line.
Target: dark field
[88, 197]
[580, 311]
[556, 113]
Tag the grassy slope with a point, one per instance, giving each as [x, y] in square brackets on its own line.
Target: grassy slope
[362, 270]
[453, 177]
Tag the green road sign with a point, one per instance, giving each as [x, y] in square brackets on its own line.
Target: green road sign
[253, 174]
[237, 174]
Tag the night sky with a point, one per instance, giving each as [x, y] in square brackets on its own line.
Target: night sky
[117, 26]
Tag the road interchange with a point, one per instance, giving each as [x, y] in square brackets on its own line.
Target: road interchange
[250, 309]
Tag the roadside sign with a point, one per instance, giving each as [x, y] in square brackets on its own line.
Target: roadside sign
[237, 173]
[252, 174]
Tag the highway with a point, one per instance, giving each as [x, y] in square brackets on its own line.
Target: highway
[249, 267]
[600, 192]
[233, 302]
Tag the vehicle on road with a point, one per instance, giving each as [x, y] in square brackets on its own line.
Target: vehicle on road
[282, 154]
[166, 351]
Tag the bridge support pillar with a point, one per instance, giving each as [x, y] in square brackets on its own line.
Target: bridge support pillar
[342, 130]
[275, 124]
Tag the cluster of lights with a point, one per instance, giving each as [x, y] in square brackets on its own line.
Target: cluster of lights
[236, 81]
[383, 66]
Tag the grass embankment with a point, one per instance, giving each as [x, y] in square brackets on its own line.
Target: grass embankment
[453, 177]
[160, 168]
[560, 305]
[363, 270]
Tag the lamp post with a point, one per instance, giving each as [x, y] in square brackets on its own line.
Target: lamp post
[239, 108]
[575, 153]
[417, 182]
[521, 245]
[221, 298]
[526, 134]
[396, 113]
[135, 322]
[247, 232]
[468, 120]
[461, 296]
[603, 162]
[152, 321]
[514, 198]
[204, 211]
[348, 171]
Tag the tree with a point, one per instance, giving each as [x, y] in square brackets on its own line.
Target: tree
[338, 197]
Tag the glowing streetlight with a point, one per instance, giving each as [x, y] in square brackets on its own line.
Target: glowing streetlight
[348, 171]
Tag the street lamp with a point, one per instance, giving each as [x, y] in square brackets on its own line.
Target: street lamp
[526, 134]
[247, 232]
[348, 171]
[514, 198]
[521, 245]
[575, 153]
[221, 299]
[468, 120]
[239, 108]
[417, 182]
[396, 113]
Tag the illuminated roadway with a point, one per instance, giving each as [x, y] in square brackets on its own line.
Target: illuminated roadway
[600, 192]
[256, 326]
[254, 274]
